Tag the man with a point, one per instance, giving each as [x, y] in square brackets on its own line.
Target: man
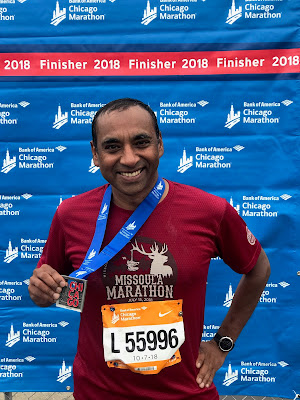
[166, 260]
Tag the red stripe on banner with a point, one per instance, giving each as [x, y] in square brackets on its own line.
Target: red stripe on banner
[272, 61]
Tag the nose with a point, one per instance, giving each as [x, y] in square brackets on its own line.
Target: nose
[129, 156]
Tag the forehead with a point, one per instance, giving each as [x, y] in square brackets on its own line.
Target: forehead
[133, 120]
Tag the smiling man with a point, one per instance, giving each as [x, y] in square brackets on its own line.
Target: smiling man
[146, 244]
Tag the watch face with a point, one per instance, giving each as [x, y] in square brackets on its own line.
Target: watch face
[226, 344]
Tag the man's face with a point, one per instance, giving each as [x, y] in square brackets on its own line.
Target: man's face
[128, 153]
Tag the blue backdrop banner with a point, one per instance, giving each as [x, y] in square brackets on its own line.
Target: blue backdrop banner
[223, 80]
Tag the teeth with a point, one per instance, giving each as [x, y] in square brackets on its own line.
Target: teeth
[131, 173]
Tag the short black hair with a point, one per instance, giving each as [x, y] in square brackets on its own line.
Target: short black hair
[122, 104]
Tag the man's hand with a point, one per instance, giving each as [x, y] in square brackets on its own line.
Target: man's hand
[209, 360]
[45, 285]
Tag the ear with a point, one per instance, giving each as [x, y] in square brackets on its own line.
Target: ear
[95, 154]
[160, 145]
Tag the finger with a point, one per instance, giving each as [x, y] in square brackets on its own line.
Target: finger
[50, 277]
[39, 297]
[202, 374]
[54, 274]
[200, 359]
[42, 284]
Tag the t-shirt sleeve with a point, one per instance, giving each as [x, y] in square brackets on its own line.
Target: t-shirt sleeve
[54, 250]
[237, 246]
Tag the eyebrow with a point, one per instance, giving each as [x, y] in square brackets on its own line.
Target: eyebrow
[113, 140]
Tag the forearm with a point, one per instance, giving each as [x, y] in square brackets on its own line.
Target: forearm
[246, 298]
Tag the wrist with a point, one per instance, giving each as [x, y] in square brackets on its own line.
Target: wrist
[225, 343]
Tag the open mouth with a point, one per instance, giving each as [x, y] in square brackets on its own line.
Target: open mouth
[131, 174]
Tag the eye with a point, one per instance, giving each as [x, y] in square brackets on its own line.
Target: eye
[143, 142]
[111, 147]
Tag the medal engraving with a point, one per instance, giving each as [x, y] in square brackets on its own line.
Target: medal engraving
[72, 295]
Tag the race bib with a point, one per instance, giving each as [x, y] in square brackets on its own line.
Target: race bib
[144, 337]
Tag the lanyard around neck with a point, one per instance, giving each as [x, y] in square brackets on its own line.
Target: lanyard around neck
[93, 260]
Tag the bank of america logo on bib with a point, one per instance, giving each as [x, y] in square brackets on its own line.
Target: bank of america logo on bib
[149, 14]
[230, 376]
[60, 118]
[8, 163]
[10, 253]
[59, 14]
[185, 162]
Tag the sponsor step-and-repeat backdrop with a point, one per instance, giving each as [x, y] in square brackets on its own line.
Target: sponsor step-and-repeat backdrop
[222, 78]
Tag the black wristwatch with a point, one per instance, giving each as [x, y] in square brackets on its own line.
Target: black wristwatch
[225, 343]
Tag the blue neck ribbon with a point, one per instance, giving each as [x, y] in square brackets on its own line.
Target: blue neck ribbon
[92, 260]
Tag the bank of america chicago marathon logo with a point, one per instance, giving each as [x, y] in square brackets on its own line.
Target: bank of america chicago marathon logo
[145, 270]
[174, 11]
[8, 111]
[5, 12]
[254, 371]
[39, 158]
[253, 11]
[34, 332]
[207, 157]
[255, 112]
[258, 205]
[267, 296]
[9, 205]
[29, 248]
[78, 12]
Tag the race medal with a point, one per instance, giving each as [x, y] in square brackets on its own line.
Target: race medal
[144, 337]
[72, 296]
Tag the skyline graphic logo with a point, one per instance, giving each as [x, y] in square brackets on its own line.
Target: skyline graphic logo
[115, 318]
[131, 226]
[10, 253]
[64, 372]
[233, 13]
[149, 15]
[8, 163]
[93, 168]
[232, 118]
[58, 15]
[202, 103]
[159, 186]
[60, 118]
[103, 214]
[237, 207]
[229, 297]
[12, 337]
[287, 102]
[285, 196]
[92, 254]
[230, 376]
[185, 162]
[24, 104]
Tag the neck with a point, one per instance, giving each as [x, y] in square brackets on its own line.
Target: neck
[132, 202]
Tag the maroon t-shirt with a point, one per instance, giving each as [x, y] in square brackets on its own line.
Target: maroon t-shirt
[167, 259]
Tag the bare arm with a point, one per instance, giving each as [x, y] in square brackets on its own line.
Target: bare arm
[246, 297]
[45, 286]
